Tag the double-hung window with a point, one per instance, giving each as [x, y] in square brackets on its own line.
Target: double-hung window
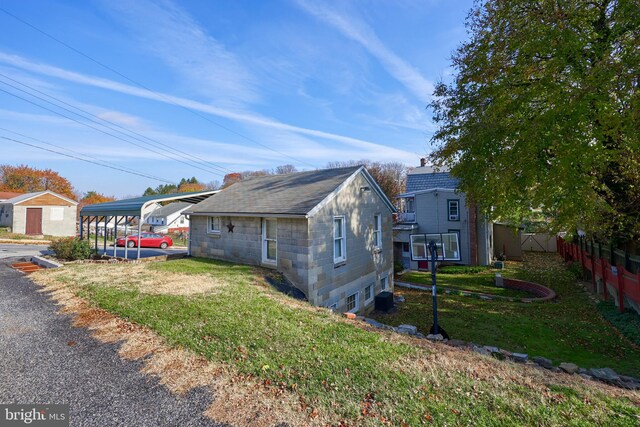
[368, 294]
[214, 224]
[339, 240]
[352, 302]
[384, 282]
[454, 210]
[269, 240]
[377, 231]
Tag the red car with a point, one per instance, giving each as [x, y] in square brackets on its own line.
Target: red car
[149, 240]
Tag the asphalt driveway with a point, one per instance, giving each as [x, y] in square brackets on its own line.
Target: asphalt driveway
[39, 366]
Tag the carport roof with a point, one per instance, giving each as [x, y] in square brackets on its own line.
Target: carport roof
[134, 207]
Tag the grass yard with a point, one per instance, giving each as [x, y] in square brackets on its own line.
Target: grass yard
[482, 281]
[569, 329]
[339, 373]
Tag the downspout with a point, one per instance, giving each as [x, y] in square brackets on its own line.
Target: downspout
[189, 236]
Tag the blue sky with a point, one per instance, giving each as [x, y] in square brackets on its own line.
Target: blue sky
[202, 88]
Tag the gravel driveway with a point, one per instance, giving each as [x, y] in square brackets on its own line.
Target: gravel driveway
[39, 366]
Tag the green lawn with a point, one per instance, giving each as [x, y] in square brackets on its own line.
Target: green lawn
[570, 329]
[482, 282]
[349, 374]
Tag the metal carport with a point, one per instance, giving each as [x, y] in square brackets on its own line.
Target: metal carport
[129, 209]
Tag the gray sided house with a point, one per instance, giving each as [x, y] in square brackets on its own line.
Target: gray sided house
[329, 232]
[44, 212]
[432, 205]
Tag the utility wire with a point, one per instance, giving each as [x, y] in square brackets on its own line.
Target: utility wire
[98, 123]
[103, 131]
[167, 99]
[104, 162]
[186, 155]
[84, 160]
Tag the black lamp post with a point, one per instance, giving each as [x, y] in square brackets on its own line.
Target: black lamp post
[433, 251]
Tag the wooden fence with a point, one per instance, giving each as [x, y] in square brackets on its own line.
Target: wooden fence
[611, 270]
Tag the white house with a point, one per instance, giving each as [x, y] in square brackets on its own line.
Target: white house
[169, 218]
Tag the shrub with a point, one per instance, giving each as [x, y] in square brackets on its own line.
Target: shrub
[463, 269]
[71, 249]
[576, 269]
[397, 267]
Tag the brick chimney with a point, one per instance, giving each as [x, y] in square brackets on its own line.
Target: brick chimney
[423, 162]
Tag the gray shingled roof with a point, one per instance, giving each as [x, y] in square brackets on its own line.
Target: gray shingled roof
[427, 181]
[171, 208]
[290, 194]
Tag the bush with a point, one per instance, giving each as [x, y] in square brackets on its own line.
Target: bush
[463, 269]
[398, 267]
[576, 269]
[71, 249]
[628, 323]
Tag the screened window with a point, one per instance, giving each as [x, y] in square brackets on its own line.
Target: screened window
[339, 240]
[352, 302]
[214, 224]
[377, 230]
[454, 210]
[269, 240]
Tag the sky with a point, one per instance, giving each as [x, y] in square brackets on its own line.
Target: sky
[159, 90]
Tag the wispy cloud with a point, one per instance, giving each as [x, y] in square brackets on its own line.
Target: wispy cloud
[242, 117]
[177, 39]
[358, 31]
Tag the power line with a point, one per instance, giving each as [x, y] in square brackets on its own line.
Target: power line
[167, 99]
[104, 162]
[102, 131]
[186, 155]
[84, 160]
[96, 122]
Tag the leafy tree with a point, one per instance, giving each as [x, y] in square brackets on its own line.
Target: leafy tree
[231, 178]
[93, 197]
[190, 186]
[390, 176]
[25, 179]
[543, 113]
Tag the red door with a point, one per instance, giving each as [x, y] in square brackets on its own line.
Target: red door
[34, 221]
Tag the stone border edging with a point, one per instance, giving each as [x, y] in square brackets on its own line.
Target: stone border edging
[542, 292]
[46, 263]
[605, 375]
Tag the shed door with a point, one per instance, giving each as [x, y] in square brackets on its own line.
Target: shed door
[34, 221]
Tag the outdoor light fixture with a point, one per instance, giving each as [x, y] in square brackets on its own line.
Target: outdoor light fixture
[363, 189]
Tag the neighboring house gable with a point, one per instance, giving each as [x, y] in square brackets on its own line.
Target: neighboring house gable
[167, 218]
[318, 228]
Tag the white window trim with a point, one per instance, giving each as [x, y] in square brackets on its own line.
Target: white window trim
[265, 240]
[383, 277]
[453, 217]
[357, 300]
[209, 229]
[343, 258]
[377, 230]
[373, 293]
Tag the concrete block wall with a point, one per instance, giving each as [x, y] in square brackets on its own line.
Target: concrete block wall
[244, 245]
[365, 264]
[63, 228]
